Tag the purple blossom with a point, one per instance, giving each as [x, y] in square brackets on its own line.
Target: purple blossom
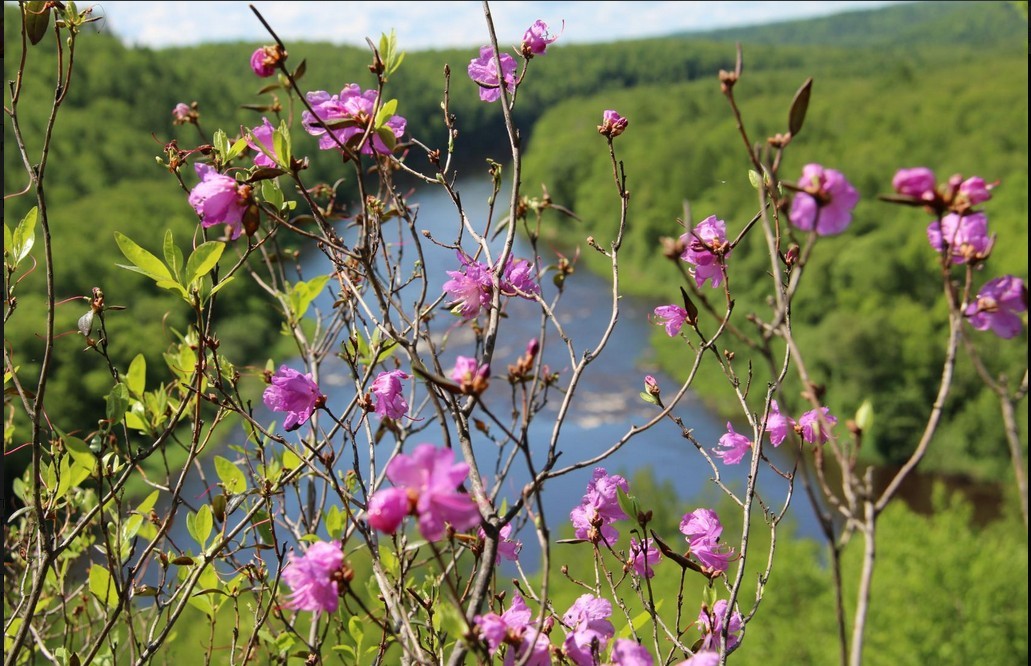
[507, 548]
[347, 117]
[590, 628]
[777, 425]
[536, 39]
[599, 508]
[472, 287]
[484, 72]
[811, 428]
[219, 199]
[263, 139]
[515, 628]
[825, 201]
[703, 248]
[428, 479]
[628, 652]
[997, 305]
[710, 623]
[313, 578]
[612, 124]
[672, 317]
[295, 393]
[387, 388]
[702, 658]
[964, 237]
[702, 529]
[918, 182]
[644, 556]
[263, 61]
[518, 278]
[735, 446]
[974, 191]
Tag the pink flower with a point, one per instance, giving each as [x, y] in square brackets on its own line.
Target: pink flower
[644, 556]
[263, 136]
[387, 508]
[811, 428]
[472, 287]
[591, 629]
[507, 548]
[263, 61]
[219, 199]
[704, 246]
[702, 529]
[963, 237]
[295, 393]
[997, 305]
[346, 117]
[710, 623]
[313, 578]
[183, 114]
[599, 508]
[974, 191]
[484, 72]
[735, 446]
[825, 201]
[777, 425]
[672, 317]
[612, 124]
[428, 479]
[628, 652]
[470, 376]
[515, 628]
[917, 182]
[536, 39]
[387, 389]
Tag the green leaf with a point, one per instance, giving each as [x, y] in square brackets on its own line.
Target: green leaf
[37, 20]
[864, 415]
[648, 397]
[79, 451]
[142, 261]
[233, 480]
[385, 112]
[235, 150]
[200, 524]
[799, 106]
[147, 504]
[102, 586]
[220, 142]
[335, 521]
[117, 403]
[203, 260]
[218, 287]
[281, 144]
[136, 376]
[301, 295]
[271, 193]
[23, 238]
[173, 255]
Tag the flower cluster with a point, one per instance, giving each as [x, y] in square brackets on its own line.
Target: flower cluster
[814, 427]
[920, 186]
[589, 629]
[484, 72]
[824, 201]
[537, 38]
[702, 529]
[183, 114]
[265, 59]
[472, 287]
[997, 305]
[599, 508]
[672, 317]
[507, 548]
[516, 629]
[612, 124]
[425, 485]
[734, 446]
[644, 555]
[343, 121]
[706, 248]
[710, 623]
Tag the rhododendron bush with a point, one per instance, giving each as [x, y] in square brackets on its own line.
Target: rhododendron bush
[392, 526]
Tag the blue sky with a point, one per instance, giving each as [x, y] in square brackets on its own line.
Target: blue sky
[422, 25]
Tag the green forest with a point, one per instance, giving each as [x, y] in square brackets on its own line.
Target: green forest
[937, 84]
